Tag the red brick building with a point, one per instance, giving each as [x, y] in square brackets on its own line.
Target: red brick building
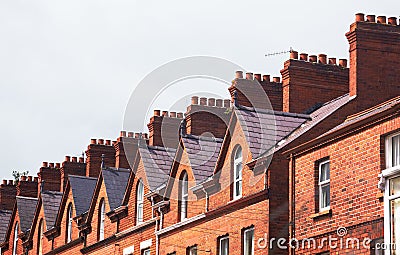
[245, 175]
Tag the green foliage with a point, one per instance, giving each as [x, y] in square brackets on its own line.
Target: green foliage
[17, 175]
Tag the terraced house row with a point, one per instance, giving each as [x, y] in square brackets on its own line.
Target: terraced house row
[245, 175]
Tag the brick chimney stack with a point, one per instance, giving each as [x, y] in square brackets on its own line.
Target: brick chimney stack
[94, 154]
[164, 129]
[251, 92]
[50, 177]
[27, 186]
[311, 80]
[125, 148]
[8, 191]
[374, 59]
[73, 166]
[208, 117]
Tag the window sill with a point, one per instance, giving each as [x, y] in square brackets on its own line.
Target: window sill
[321, 214]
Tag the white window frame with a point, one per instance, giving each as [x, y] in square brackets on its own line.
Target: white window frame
[145, 251]
[15, 241]
[238, 173]
[192, 250]
[40, 237]
[322, 184]
[184, 197]
[69, 223]
[221, 239]
[102, 219]
[139, 202]
[391, 172]
[245, 233]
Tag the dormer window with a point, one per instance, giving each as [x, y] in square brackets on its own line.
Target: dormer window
[183, 187]
[69, 223]
[139, 202]
[102, 217]
[237, 170]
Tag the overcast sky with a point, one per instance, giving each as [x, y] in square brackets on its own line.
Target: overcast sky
[67, 68]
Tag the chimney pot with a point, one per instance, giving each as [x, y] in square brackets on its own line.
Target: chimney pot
[203, 101]
[332, 61]
[219, 102]
[313, 58]
[322, 59]
[165, 113]
[23, 178]
[108, 142]
[4, 182]
[239, 75]
[381, 19]
[157, 112]
[266, 78]
[392, 21]
[51, 165]
[10, 182]
[146, 136]
[172, 114]
[58, 165]
[93, 141]
[304, 56]
[35, 179]
[137, 135]
[122, 134]
[67, 158]
[30, 178]
[195, 100]
[211, 102]
[130, 134]
[277, 79]
[371, 18]
[179, 115]
[343, 62]
[294, 54]
[227, 103]
[249, 76]
[45, 164]
[74, 159]
[101, 141]
[257, 77]
[81, 160]
[360, 17]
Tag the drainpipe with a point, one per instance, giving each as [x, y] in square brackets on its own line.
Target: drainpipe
[152, 204]
[292, 200]
[207, 199]
[160, 226]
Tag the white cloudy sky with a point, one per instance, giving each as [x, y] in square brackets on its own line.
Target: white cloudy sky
[67, 68]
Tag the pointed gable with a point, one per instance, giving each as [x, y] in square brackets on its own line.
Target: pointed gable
[115, 181]
[26, 210]
[82, 191]
[51, 201]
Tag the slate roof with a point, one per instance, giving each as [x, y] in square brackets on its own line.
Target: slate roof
[26, 210]
[5, 217]
[51, 201]
[203, 154]
[82, 192]
[157, 162]
[115, 181]
[316, 117]
[365, 114]
[264, 128]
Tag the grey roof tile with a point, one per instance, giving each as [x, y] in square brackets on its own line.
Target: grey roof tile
[26, 210]
[82, 192]
[203, 154]
[51, 201]
[115, 181]
[157, 162]
[5, 217]
[263, 129]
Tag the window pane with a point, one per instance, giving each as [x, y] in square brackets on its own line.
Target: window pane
[238, 171]
[324, 172]
[224, 246]
[249, 242]
[325, 196]
[394, 186]
[395, 223]
[396, 150]
[238, 188]
[193, 251]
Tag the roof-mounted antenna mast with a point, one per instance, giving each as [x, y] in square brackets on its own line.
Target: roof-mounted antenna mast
[278, 53]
